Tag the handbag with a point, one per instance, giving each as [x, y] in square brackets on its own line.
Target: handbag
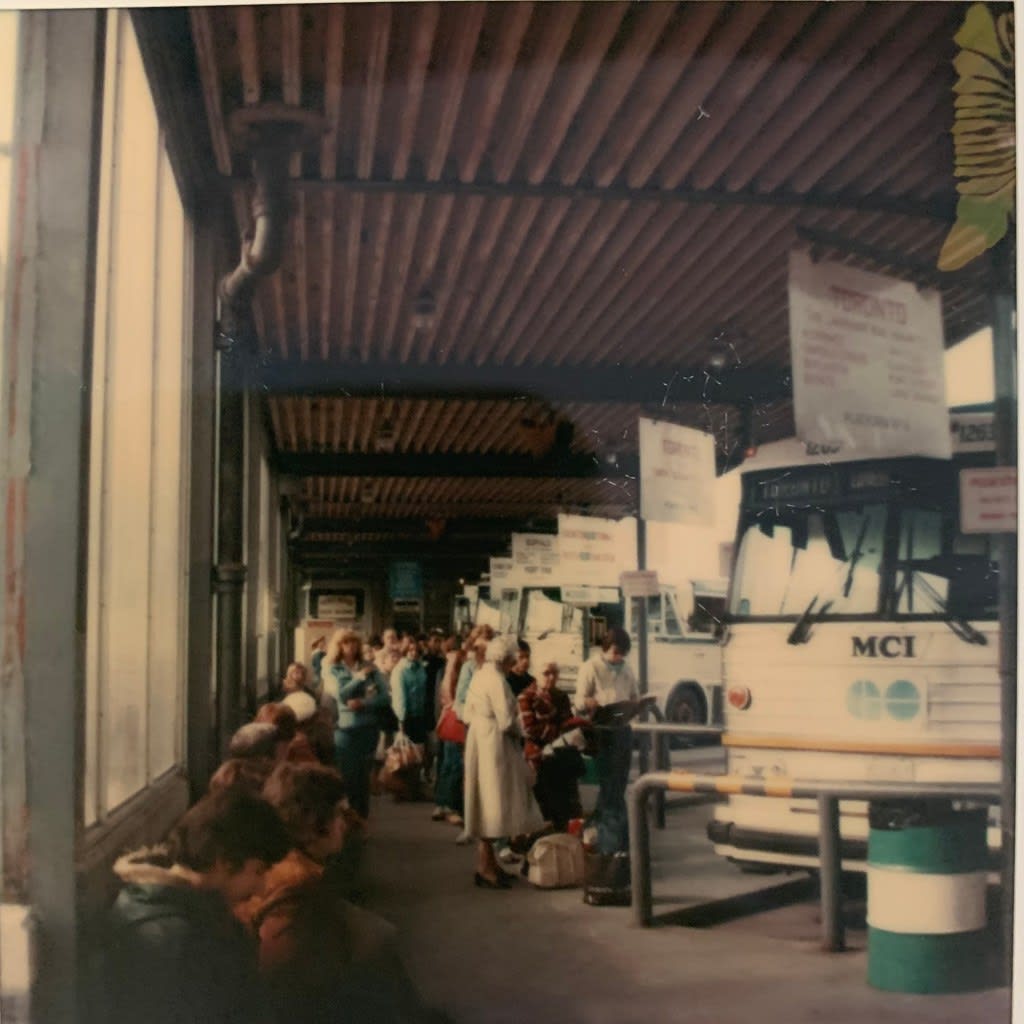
[449, 728]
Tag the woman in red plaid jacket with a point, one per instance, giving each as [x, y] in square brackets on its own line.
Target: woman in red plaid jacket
[545, 712]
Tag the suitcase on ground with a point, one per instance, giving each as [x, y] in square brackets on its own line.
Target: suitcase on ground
[555, 862]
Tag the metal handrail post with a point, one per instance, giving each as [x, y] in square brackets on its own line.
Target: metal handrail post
[833, 939]
[662, 763]
[640, 845]
[827, 793]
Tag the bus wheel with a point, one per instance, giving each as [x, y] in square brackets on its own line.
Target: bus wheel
[686, 706]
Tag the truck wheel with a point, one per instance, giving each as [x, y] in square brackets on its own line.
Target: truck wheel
[686, 706]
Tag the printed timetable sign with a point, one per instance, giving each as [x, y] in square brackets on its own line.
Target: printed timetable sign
[534, 558]
[677, 474]
[595, 551]
[868, 370]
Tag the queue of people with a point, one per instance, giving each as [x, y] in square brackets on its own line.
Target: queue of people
[244, 913]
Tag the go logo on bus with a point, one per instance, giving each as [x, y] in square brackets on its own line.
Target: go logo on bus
[901, 701]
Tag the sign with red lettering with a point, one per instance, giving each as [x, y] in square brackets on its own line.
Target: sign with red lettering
[677, 473]
[868, 368]
[595, 551]
[988, 500]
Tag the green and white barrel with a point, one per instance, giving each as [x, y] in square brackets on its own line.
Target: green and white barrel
[926, 899]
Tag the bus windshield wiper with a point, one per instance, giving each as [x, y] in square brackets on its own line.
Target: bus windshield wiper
[801, 631]
[960, 626]
[855, 556]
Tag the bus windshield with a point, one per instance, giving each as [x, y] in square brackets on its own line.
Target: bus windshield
[829, 562]
[792, 556]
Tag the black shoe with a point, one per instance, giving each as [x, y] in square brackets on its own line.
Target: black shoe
[485, 883]
[505, 880]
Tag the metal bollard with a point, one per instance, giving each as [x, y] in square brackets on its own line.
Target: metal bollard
[833, 938]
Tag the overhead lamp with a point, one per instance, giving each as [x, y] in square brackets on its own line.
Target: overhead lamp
[722, 355]
[384, 441]
[424, 307]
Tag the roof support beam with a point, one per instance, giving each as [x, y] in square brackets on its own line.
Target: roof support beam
[942, 209]
[569, 465]
[660, 386]
[454, 527]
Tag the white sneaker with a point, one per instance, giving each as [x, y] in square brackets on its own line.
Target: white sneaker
[507, 856]
[463, 839]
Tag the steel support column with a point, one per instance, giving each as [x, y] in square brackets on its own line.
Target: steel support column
[229, 572]
[1004, 359]
[832, 938]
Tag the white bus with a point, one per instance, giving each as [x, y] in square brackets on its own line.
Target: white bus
[862, 638]
[684, 667]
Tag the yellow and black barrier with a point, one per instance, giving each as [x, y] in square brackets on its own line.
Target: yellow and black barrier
[828, 793]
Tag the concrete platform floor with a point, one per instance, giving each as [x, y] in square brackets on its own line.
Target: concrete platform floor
[532, 955]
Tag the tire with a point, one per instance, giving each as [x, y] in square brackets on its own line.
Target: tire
[686, 705]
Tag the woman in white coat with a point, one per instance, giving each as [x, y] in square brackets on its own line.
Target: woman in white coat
[498, 795]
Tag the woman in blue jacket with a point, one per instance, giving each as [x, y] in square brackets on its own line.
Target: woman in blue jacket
[359, 692]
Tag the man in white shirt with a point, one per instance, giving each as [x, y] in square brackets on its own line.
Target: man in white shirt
[607, 679]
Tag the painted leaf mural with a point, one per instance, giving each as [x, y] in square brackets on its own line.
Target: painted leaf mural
[984, 137]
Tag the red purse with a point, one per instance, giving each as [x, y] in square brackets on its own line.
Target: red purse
[449, 728]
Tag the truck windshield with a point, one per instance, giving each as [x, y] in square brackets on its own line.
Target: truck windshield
[791, 556]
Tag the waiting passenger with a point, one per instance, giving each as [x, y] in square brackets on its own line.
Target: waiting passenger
[409, 692]
[604, 680]
[323, 958]
[177, 954]
[519, 677]
[248, 774]
[291, 744]
[498, 795]
[452, 736]
[314, 724]
[545, 713]
[474, 649]
[296, 680]
[360, 694]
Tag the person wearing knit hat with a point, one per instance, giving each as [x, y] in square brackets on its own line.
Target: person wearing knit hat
[253, 740]
[313, 725]
[302, 703]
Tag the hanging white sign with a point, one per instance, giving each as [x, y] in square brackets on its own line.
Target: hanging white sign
[534, 559]
[677, 473]
[595, 551]
[501, 573]
[868, 369]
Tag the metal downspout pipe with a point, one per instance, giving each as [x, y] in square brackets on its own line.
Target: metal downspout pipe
[271, 135]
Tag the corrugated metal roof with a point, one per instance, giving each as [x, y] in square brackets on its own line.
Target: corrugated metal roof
[565, 187]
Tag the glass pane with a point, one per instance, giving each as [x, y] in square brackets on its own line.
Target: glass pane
[138, 528]
[169, 552]
[127, 476]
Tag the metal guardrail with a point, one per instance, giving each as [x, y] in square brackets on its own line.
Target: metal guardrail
[662, 732]
[828, 793]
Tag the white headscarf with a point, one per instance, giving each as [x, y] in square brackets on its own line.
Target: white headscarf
[499, 649]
